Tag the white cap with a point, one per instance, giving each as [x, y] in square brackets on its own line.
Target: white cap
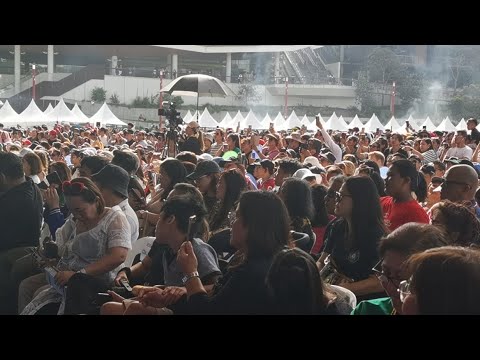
[312, 160]
[204, 156]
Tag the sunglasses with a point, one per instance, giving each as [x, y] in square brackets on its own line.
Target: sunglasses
[73, 188]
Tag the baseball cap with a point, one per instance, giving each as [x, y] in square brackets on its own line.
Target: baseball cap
[304, 174]
[113, 177]
[204, 156]
[203, 168]
[329, 156]
[266, 164]
[208, 137]
[452, 159]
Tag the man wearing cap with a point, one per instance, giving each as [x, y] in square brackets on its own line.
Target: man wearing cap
[415, 159]
[472, 126]
[264, 171]
[326, 159]
[449, 162]
[194, 141]
[199, 176]
[113, 181]
[459, 149]
[207, 142]
[308, 176]
[294, 141]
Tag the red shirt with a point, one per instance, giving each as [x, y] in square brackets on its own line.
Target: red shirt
[320, 235]
[266, 185]
[396, 214]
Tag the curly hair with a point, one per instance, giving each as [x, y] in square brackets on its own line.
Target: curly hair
[458, 218]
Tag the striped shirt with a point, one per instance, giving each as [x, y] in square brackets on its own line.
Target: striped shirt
[429, 156]
[214, 148]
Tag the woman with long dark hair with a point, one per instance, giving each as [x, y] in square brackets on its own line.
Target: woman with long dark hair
[230, 186]
[321, 218]
[404, 187]
[259, 232]
[297, 196]
[172, 172]
[351, 240]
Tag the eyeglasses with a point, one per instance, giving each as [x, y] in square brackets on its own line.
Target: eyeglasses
[339, 196]
[377, 269]
[404, 289]
[73, 188]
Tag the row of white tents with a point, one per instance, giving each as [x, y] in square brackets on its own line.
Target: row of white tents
[32, 115]
[334, 122]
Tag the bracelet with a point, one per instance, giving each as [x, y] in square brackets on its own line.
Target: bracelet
[192, 275]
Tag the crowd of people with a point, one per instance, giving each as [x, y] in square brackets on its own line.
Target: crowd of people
[239, 221]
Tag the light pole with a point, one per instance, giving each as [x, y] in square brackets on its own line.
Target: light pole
[160, 98]
[33, 82]
[286, 98]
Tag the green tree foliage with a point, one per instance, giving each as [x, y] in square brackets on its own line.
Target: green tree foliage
[248, 93]
[98, 94]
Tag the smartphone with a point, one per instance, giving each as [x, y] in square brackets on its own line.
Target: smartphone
[103, 298]
[250, 127]
[43, 185]
[407, 123]
[425, 127]
[97, 124]
[54, 179]
[317, 117]
[126, 285]
[271, 125]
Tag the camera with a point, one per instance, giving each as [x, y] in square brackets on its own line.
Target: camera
[173, 116]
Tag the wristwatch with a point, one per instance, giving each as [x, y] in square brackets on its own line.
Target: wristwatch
[190, 276]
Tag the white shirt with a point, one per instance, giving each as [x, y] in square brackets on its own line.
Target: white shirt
[104, 140]
[465, 152]
[131, 218]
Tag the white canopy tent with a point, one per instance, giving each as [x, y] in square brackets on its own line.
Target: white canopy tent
[413, 122]
[278, 121]
[8, 116]
[428, 124]
[335, 123]
[392, 125]
[80, 116]
[105, 117]
[373, 124]
[206, 120]
[48, 109]
[32, 115]
[62, 113]
[226, 121]
[462, 125]
[238, 118]
[267, 120]
[309, 124]
[188, 117]
[356, 123]
[292, 122]
[251, 120]
[446, 125]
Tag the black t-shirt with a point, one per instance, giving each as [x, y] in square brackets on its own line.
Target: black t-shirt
[21, 211]
[475, 134]
[356, 263]
[191, 144]
[130, 142]
[156, 276]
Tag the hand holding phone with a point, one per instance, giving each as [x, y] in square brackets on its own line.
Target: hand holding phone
[317, 122]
